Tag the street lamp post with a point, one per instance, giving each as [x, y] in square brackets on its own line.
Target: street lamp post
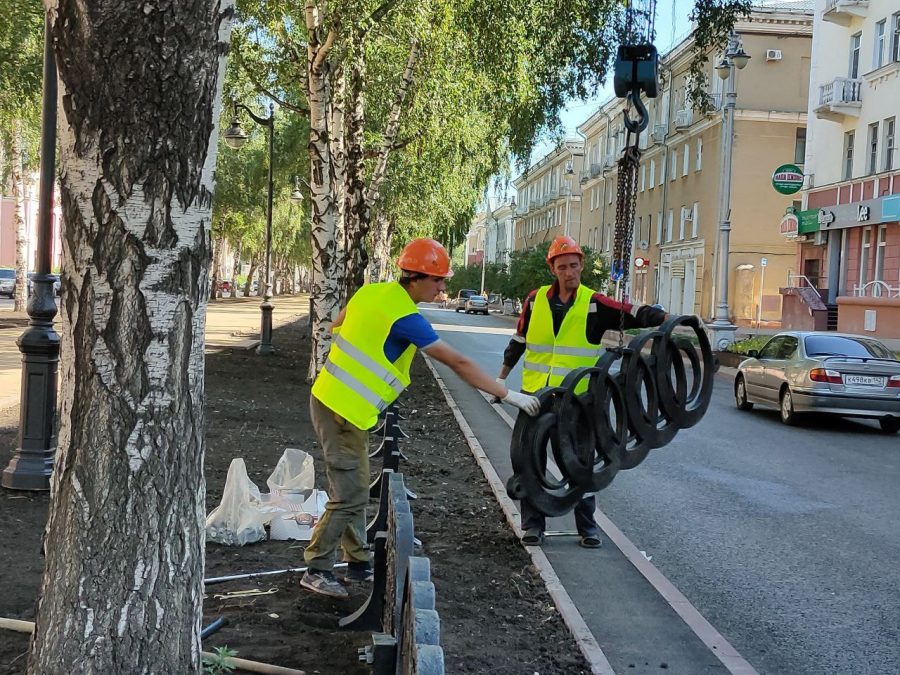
[735, 58]
[32, 464]
[570, 172]
[235, 137]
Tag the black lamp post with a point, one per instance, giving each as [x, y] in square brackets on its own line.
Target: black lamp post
[32, 464]
[235, 137]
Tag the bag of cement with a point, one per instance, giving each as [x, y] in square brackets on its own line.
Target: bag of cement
[294, 474]
[238, 519]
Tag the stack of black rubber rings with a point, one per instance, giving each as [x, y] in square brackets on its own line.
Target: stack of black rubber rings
[663, 383]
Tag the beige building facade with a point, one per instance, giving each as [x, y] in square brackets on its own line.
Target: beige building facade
[549, 197]
[679, 202]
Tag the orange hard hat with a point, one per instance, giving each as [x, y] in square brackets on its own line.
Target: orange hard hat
[425, 256]
[561, 246]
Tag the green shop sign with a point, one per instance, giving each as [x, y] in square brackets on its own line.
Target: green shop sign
[787, 179]
[809, 221]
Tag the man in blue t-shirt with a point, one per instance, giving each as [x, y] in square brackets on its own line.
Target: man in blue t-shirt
[424, 266]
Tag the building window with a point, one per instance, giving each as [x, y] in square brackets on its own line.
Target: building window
[895, 38]
[662, 172]
[686, 161]
[872, 161]
[699, 164]
[670, 218]
[681, 223]
[889, 136]
[879, 252]
[643, 176]
[608, 236]
[849, 138]
[652, 173]
[695, 221]
[649, 226]
[855, 42]
[864, 251]
[659, 227]
[674, 164]
[800, 146]
[880, 36]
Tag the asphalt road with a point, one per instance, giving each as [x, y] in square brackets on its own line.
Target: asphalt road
[785, 539]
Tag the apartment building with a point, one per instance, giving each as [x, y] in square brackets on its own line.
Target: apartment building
[677, 218]
[848, 260]
[549, 197]
[475, 240]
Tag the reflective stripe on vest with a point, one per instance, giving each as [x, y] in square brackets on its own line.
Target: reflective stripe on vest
[357, 381]
[548, 357]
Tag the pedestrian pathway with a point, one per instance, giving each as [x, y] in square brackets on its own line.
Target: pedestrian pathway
[230, 323]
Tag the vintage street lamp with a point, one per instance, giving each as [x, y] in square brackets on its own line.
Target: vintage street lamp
[235, 137]
[32, 464]
[735, 57]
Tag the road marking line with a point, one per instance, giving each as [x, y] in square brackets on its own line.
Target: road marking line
[585, 640]
[694, 620]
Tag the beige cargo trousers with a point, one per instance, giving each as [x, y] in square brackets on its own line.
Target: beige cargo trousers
[346, 449]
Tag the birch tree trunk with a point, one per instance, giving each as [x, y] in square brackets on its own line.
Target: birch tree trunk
[358, 255]
[17, 180]
[140, 86]
[326, 297]
[355, 186]
[381, 247]
[338, 92]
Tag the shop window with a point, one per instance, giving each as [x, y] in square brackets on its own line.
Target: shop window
[864, 251]
[879, 252]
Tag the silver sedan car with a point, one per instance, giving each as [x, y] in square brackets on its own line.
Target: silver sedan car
[835, 373]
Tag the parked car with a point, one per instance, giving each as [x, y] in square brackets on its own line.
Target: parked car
[835, 373]
[459, 302]
[8, 283]
[476, 304]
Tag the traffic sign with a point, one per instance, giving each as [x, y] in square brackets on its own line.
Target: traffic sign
[639, 262]
[787, 179]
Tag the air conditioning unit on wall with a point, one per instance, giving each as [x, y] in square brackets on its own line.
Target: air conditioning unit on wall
[773, 55]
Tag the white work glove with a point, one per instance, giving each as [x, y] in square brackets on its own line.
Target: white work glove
[524, 402]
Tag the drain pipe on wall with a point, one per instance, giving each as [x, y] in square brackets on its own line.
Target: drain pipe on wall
[667, 70]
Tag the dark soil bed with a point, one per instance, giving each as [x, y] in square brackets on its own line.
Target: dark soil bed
[496, 616]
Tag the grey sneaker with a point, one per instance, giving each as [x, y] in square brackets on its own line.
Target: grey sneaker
[323, 583]
[358, 573]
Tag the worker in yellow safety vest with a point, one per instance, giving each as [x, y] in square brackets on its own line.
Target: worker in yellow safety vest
[375, 338]
[561, 328]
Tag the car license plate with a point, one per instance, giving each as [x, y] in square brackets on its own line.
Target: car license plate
[864, 380]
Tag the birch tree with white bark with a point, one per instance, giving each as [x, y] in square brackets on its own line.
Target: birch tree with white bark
[140, 89]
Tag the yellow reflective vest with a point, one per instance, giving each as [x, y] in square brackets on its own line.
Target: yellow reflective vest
[357, 381]
[548, 357]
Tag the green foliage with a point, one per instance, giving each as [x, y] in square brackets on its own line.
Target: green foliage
[756, 342]
[713, 21]
[495, 278]
[218, 663]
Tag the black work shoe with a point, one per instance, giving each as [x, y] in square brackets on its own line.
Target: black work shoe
[358, 573]
[533, 537]
[590, 541]
[323, 583]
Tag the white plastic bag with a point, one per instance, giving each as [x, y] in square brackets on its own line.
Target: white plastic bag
[294, 474]
[237, 520]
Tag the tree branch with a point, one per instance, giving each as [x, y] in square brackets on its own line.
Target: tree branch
[267, 92]
[322, 51]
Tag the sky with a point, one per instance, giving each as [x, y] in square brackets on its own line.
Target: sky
[672, 25]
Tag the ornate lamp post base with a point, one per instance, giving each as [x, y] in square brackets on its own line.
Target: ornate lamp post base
[32, 464]
[265, 332]
[721, 335]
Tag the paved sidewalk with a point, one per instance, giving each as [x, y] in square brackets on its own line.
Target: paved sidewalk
[230, 323]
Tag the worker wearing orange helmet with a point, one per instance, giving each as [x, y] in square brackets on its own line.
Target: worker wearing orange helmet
[375, 338]
[561, 328]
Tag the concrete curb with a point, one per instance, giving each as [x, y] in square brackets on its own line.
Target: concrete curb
[570, 615]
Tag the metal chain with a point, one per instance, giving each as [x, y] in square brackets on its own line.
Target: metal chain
[625, 205]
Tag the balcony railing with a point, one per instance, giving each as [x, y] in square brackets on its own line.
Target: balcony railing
[876, 289]
[838, 98]
[684, 118]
